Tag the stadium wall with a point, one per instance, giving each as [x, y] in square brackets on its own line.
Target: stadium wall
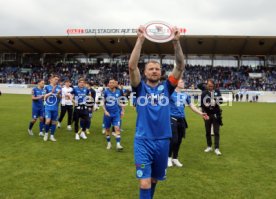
[15, 89]
[264, 96]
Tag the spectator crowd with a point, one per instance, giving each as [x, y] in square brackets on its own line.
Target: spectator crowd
[229, 78]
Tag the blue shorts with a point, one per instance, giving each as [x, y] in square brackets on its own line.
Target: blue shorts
[37, 112]
[151, 158]
[113, 120]
[51, 114]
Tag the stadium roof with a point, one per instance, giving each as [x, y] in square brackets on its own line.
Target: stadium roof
[118, 45]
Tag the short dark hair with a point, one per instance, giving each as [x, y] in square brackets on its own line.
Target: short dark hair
[53, 76]
[90, 83]
[211, 80]
[40, 80]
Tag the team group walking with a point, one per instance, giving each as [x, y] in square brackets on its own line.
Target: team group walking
[160, 105]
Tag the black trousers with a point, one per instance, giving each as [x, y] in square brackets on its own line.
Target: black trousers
[69, 110]
[82, 114]
[179, 126]
[213, 120]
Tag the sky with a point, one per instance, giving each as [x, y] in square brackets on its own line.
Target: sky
[199, 17]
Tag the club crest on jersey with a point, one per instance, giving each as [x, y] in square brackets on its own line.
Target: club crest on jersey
[139, 173]
[160, 88]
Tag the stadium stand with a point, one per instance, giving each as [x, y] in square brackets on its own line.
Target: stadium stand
[24, 60]
[230, 78]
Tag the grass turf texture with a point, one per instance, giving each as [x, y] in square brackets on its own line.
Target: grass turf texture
[32, 168]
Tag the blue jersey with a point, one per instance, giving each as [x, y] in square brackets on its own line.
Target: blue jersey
[36, 92]
[80, 95]
[52, 102]
[177, 104]
[153, 110]
[111, 101]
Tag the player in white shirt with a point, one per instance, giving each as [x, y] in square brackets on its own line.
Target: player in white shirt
[66, 104]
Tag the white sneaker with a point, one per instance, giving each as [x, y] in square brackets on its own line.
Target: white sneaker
[52, 138]
[208, 149]
[170, 162]
[177, 163]
[59, 125]
[77, 137]
[45, 137]
[41, 134]
[108, 145]
[119, 147]
[30, 132]
[69, 128]
[217, 152]
[83, 136]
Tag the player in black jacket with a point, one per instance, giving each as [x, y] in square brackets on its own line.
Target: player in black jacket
[210, 101]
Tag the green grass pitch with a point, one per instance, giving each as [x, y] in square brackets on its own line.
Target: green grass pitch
[32, 168]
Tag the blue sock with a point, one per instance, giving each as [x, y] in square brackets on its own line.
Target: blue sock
[118, 138]
[47, 127]
[145, 193]
[41, 126]
[108, 138]
[153, 185]
[31, 125]
[82, 124]
[53, 129]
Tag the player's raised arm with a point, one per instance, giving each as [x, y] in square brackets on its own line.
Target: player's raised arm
[134, 73]
[179, 57]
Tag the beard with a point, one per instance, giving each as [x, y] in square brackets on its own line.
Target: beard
[154, 80]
